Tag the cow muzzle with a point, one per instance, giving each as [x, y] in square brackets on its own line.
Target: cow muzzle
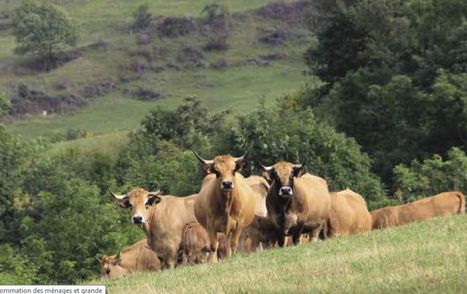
[285, 191]
[138, 219]
[227, 185]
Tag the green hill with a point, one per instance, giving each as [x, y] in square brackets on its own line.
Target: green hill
[418, 258]
[109, 53]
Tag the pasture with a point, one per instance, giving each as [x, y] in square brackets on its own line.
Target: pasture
[237, 87]
[424, 257]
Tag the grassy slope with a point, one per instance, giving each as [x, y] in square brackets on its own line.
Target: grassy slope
[237, 87]
[419, 258]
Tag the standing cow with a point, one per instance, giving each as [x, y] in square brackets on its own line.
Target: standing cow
[297, 202]
[162, 219]
[226, 203]
[349, 214]
[443, 204]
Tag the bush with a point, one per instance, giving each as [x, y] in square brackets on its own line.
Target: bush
[142, 18]
[432, 176]
[176, 26]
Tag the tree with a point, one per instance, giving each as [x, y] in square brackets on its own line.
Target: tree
[395, 74]
[44, 30]
[142, 18]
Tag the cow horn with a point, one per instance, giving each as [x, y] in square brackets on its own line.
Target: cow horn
[241, 157]
[298, 165]
[209, 162]
[154, 193]
[266, 168]
[119, 197]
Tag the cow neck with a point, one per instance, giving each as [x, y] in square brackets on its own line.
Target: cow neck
[148, 225]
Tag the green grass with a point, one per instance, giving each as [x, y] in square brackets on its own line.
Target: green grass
[239, 87]
[427, 257]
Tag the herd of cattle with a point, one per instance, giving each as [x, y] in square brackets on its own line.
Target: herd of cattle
[284, 206]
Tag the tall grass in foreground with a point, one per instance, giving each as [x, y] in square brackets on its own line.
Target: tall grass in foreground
[424, 257]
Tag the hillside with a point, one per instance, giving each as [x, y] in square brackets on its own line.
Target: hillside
[112, 69]
[419, 258]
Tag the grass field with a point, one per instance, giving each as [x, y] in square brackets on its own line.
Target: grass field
[427, 257]
[238, 87]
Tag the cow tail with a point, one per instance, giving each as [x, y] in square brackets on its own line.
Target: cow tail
[462, 202]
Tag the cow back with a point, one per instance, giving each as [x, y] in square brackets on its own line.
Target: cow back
[349, 214]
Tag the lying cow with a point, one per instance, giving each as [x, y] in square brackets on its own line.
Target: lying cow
[162, 219]
[226, 203]
[443, 204]
[136, 258]
[297, 202]
[349, 214]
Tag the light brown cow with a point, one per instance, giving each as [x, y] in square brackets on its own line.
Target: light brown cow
[261, 187]
[250, 240]
[195, 244]
[349, 214]
[162, 218]
[226, 203]
[443, 204]
[297, 202]
[136, 258]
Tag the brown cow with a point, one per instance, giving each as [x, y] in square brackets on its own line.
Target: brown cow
[297, 202]
[261, 187]
[195, 244]
[250, 240]
[349, 214]
[443, 204]
[136, 258]
[162, 218]
[226, 203]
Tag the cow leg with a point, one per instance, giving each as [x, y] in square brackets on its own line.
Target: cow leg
[213, 244]
[235, 237]
[296, 238]
[280, 239]
[315, 233]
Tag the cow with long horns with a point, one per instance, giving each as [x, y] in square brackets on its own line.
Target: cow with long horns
[297, 202]
[162, 218]
[226, 203]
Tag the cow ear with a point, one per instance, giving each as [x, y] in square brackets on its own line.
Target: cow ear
[123, 203]
[267, 176]
[240, 164]
[153, 199]
[298, 171]
[117, 260]
[208, 169]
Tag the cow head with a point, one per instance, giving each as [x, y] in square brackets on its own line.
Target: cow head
[282, 174]
[224, 167]
[111, 267]
[139, 200]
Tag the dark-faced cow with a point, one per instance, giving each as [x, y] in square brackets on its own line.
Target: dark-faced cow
[135, 258]
[443, 204]
[349, 214]
[162, 218]
[226, 203]
[297, 202]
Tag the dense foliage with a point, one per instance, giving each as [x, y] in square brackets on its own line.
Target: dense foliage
[432, 176]
[395, 76]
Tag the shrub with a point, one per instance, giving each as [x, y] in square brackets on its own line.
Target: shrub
[142, 18]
